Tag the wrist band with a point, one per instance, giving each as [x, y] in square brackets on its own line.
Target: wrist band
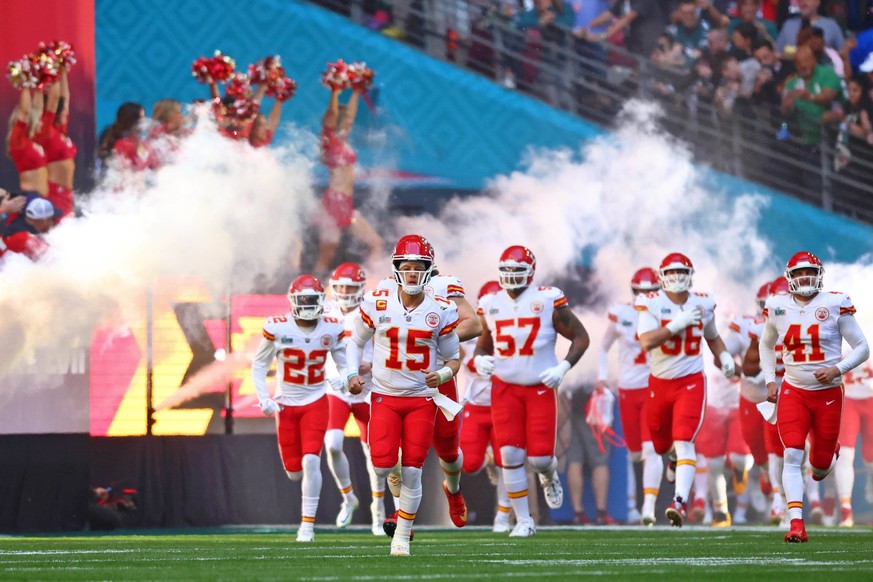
[445, 374]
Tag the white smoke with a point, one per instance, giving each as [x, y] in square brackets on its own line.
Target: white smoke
[624, 200]
[223, 213]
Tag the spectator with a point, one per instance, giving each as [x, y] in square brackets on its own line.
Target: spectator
[545, 29]
[716, 43]
[713, 13]
[813, 37]
[771, 76]
[787, 43]
[747, 11]
[39, 217]
[729, 82]
[862, 48]
[27, 155]
[587, 450]
[742, 39]
[60, 151]
[690, 31]
[809, 95]
[645, 21]
[857, 121]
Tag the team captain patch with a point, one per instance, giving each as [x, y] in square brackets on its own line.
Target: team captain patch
[381, 305]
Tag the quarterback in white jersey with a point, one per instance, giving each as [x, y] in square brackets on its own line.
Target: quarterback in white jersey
[633, 383]
[412, 334]
[446, 434]
[521, 324]
[347, 289]
[302, 341]
[810, 324]
[673, 324]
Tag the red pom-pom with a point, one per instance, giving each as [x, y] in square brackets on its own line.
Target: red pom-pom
[22, 73]
[213, 69]
[336, 77]
[360, 76]
[238, 86]
[62, 52]
[266, 71]
[282, 89]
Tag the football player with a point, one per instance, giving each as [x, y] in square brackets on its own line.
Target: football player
[301, 340]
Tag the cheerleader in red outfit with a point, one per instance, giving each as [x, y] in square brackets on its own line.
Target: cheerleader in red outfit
[27, 155]
[60, 151]
[338, 210]
[121, 143]
[264, 127]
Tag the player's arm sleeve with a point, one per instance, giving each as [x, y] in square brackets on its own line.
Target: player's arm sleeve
[361, 334]
[854, 336]
[646, 322]
[767, 352]
[710, 331]
[260, 365]
[448, 346]
[338, 353]
[609, 338]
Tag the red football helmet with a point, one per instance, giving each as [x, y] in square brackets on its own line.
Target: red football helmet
[516, 267]
[763, 293]
[645, 280]
[489, 288]
[808, 284]
[306, 296]
[779, 285]
[676, 282]
[412, 248]
[348, 275]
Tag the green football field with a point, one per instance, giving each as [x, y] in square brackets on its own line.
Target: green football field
[619, 553]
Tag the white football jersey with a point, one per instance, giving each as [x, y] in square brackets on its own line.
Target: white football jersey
[859, 382]
[681, 355]
[756, 391]
[405, 344]
[633, 360]
[334, 311]
[301, 355]
[740, 325]
[523, 332]
[809, 335]
[477, 389]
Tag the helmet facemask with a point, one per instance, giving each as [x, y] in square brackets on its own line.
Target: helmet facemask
[412, 282]
[307, 304]
[514, 275]
[346, 301]
[805, 285]
[675, 280]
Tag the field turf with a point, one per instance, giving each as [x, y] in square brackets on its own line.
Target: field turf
[477, 554]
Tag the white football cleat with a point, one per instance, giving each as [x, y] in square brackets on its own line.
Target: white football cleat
[393, 481]
[305, 535]
[346, 512]
[525, 528]
[399, 547]
[553, 491]
[648, 519]
[501, 522]
[633, 516]
[377, 511]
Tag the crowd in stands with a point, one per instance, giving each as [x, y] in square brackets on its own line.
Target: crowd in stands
[780, 70]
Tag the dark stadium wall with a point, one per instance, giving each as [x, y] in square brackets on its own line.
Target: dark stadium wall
[26, 23]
